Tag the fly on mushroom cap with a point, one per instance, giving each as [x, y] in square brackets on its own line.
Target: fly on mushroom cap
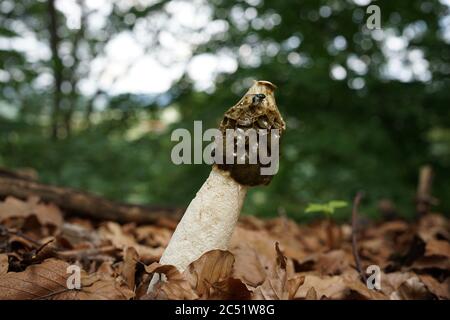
[256, 110]
[258, 98]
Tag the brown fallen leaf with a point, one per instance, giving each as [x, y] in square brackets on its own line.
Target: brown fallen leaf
[376, 250]
[277, 286]
[209, 270]
[336, 287]
[414, 257]
[4, 264]
[37, 281]
[439, 248]
[311, 294]
[15, 240]
[108, 289]
[412, 289]
[281, 259]
[47, 214]
[113, 232]
[251, 223]
[432, 225]
[76, 234]
[431, 262]
[254, 255]
[359, 290]
[440, 290]
[290, 237]
[153, 236]
[130, 258]
[48, 280]
[333, 262]
[174, 287]
[230, 289]
[106, 268]
[390, 228]
[436, 256]
[390, 282]
[261, 241]
[331, 287]
[211, 277]
[249, 266]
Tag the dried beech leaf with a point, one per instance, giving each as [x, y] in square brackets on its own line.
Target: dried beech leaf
[432, 262]
[311, 294]
[260, 241]
[37, 281]
[230, 289]
[329, 287]
[108, 289]
[436, 256]
[337, 287]
[390, 282]
[106, 268]
[209, 270]
[174, 287]
[281, 259]
[359, 290]
[293, 285]
[277, 286]
[76, 234]
[414, 257]
[411, 289]
[4, 264]
[48, 280]
[130, 258]
[432, 225]
[153, 236]
[45, 213]
[249, 266]
[438, 248]
[331, 263]
[335, 262]
[113, 232]
[440, 290]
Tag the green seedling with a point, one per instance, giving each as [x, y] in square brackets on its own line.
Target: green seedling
[328, 209]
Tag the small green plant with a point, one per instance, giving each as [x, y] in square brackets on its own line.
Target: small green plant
[328, 209]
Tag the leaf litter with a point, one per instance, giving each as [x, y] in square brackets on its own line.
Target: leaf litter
[267, 259]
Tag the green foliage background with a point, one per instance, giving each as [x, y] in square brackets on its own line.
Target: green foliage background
[339, 139]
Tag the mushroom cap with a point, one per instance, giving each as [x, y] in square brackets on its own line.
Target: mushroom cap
[257, 109]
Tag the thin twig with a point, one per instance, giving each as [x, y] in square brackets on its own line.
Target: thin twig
[85, 252]
[52, 294]
[356, 202]
[20, 234]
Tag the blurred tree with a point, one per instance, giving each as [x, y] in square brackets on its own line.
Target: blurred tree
[360, 104]
[364, 108]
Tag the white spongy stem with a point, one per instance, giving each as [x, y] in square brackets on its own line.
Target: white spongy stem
[207, 224]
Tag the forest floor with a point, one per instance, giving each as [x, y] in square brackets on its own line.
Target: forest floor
[40, 249]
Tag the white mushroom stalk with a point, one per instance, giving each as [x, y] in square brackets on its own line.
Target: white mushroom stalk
[211, 217]
[209, 220]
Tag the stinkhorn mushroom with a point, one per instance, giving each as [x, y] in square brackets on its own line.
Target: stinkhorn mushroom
[211, 217]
